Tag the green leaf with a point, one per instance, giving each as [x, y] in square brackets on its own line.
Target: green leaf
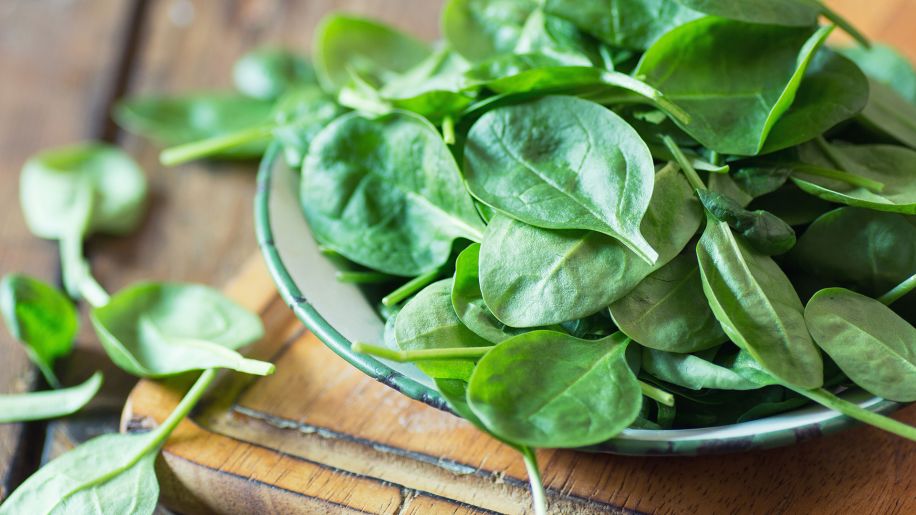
[434, 88]
[176, 120]
[694, 372]
[869, 251]
[467, 299]
[870, 343]
[886, 65]
[481, 29]
[757, 307]
[163, 329]
[41, 318]
[347, 45]
[50, 404]
[542, 163]
[734, 79]
[668, 310]
[299, 116]
[428, 321]
[268, 73]
[794, 13]
[764, 231]
[792, 205]
[892, 166]
[386, 193]
[533, 277]
[632, 24]
[548, 389]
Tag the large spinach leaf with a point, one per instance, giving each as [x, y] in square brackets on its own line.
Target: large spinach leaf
[796, 13]
[563, 163]
[386, 193]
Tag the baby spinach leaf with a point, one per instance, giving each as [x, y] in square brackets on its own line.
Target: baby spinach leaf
[386, 193]
[734, 79]
[468, 300]
[869, 251]
[870, 343]
[428, 321]
[757, 306]
[532, 277]
[694, 372]
[892, 166]
[163, 329]
[890, 114]
[481, 29]
[434, 88]
[41, 318]
[299, 116]
[51, 404]
[668, 310]
[548, 389]
[887, 66]
[542, 163]
[631, 24]
[764, 231]
[187, 118]
[268, 73]
[346, 45]
[794, 13]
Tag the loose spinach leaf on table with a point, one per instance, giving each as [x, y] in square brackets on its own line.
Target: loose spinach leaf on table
[763, 230]
[347, 45]
[163, 329]
[386, 193]
[49, 404]
[870, 343]
[532, 277]
[542, 163]
[891, 166]
[734, 79]
[428, 321]
[268, 73]
[41, 318]
[548, 389]
[757, 306]
[668, 311]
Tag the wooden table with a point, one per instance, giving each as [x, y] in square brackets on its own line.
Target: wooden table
[63, 64]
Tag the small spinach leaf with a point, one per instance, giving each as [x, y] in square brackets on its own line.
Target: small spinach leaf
[764, 231]
[694, 372]
[468, 300]
[268, 73]
[481, 29]
[51, 404]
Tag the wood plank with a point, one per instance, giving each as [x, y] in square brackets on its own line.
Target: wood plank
[57, 61]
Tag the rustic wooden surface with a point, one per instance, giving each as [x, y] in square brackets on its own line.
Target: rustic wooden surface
[63, 63]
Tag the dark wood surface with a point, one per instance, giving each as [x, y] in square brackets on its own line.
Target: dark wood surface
[63, 63]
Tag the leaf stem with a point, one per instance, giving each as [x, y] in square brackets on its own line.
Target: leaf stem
[198, 149]
[184, 407]
[621, 80]
[844, 24]
[838, 175]
[448, 130]
[351, 277]
[852, 410]
[92, 291]
[538, 495]
[899, 291]
[409, 288]
[684, 163]
[410, 356]
[657, 394]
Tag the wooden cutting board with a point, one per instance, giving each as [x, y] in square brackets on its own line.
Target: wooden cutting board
[321, 437]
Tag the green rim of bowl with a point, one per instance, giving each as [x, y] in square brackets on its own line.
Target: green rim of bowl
[638, 442]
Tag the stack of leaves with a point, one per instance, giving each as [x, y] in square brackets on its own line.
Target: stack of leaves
[617, 213]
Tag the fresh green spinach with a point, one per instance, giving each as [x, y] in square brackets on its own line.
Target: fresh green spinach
[50, 404]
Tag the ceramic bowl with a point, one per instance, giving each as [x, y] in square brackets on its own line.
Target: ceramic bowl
[340, 313]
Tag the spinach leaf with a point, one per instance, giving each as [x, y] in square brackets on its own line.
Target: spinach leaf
[386, 193]
[434, 88]
[176, 120]
[734, 79]
[41, 318]
[50, 404]
[531, 276]
[792, 205]
[345, 46]
[71, 192]
[892, 166]
[268, 73]
[481, 29]
[764, 231]
[870, 343]
[887, 66]
[163, 329]
[757, 306]
[428, 321]
[299, 116]
[795, 13]
[467, 299]
[668, 310]
[694, 372]
[563, 163]
[548, 389]
[631, 24]
[869, 251]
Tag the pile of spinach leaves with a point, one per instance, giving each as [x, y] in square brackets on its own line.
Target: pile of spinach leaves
[604, 214]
